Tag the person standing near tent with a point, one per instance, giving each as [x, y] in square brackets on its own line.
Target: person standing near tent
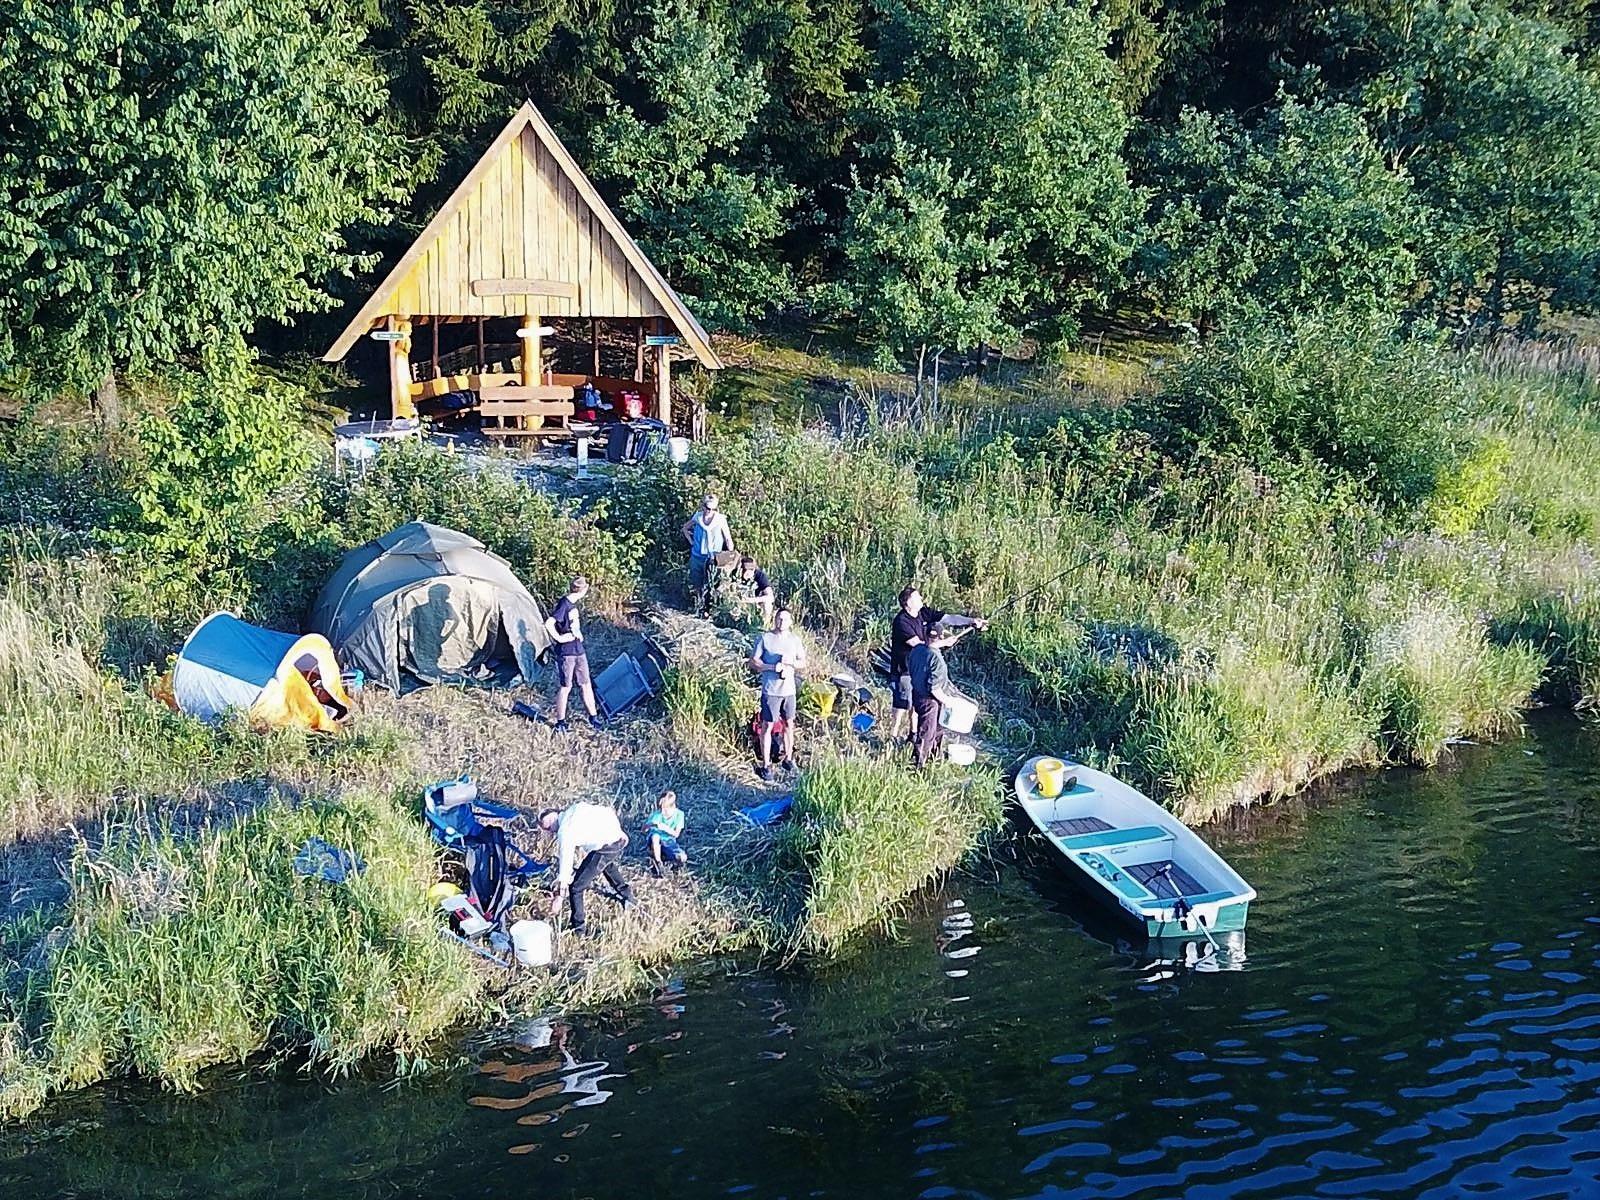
[589, 842]
[708, 535]
[572, 661]
[779, 655]
[915, 625]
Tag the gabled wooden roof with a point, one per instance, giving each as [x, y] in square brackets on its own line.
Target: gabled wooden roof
[525, 233]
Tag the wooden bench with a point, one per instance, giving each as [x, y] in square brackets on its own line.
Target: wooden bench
[534, 405]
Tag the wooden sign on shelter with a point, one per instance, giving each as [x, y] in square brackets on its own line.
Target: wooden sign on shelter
[525, 236]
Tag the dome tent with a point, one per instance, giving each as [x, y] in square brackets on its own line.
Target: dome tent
[230, 665]
[431, 603]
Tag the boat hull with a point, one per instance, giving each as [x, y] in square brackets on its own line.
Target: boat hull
[1144, 864]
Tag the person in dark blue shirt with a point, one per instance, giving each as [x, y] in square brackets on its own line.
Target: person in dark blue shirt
[572, 661]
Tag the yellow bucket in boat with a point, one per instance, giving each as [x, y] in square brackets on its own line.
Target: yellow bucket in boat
[1051, 774]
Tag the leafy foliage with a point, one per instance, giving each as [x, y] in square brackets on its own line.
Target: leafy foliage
[173, 173]
[1383, 414]
[1297, 212]
[708, 222]
[992, 189]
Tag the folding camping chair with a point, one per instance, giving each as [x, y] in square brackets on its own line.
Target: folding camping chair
[455, 815]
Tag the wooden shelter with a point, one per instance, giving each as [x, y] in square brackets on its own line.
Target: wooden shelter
[524, 241]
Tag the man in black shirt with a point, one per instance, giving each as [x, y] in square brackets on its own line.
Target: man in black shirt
[914, 625]
[756, 589]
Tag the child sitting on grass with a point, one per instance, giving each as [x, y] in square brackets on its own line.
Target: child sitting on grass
[665, 828]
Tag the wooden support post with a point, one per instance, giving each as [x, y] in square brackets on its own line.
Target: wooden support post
[482, 366]
[594, 345]
[434, 321]
[532, 351]
[400, 403]
[663, 379]
[638, 351]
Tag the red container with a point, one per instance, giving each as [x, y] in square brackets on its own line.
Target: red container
[632, 406]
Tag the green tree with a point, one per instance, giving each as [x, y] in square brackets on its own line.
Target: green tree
[672, 158]
[992, 183]
[1499, 123]
[1298, 213]
[171, 173]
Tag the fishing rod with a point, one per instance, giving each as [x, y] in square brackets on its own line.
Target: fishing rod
[1033, 591]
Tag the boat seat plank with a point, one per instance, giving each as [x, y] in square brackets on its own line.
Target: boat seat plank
[1118, 879]
[1072, 826]
[1115, 837]
[1166, 880]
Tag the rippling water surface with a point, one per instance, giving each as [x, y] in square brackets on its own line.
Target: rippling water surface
[1414, 1012]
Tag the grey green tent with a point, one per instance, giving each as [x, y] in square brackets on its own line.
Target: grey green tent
[431, 603]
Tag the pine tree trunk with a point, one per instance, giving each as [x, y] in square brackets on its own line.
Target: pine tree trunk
[108, 402]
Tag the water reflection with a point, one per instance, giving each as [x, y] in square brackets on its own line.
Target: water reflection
[1418, 1015]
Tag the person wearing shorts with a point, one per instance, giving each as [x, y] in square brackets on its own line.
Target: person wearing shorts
[572, 661]
[779, 655]
[915, 625]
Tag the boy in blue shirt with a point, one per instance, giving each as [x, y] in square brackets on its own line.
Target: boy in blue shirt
[665, 828]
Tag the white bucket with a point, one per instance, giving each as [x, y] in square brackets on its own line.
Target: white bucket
[963, 754]
[959, 715]
[530, 941]
[678, 450]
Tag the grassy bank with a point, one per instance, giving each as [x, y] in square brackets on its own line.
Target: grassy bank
[1299, 550]
[1286, 554]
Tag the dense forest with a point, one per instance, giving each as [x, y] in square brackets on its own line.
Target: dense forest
[925, 174]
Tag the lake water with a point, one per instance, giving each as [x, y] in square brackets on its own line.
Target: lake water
[1414, 1012]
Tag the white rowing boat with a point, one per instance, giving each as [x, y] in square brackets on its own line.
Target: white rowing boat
[1129, 850]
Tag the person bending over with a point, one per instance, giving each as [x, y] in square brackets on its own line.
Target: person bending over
[589, 842]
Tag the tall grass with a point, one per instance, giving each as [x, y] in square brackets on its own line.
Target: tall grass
[77, 740]
[867, 832]
[187, 952]
[1352, 551]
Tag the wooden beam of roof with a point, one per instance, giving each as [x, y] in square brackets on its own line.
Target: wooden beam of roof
[483, 288]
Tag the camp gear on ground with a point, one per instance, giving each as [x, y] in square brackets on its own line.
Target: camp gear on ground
[455, 814]
[466, 915]
[229, 665]
[1135, 855]
[635, 440]
[441, 891]
[520, 708]
[962, 754]
[476, 949]
[629, 680]
[769, 813]
[432, 604]
[325, 861]
[491, 883]
[532, 942]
